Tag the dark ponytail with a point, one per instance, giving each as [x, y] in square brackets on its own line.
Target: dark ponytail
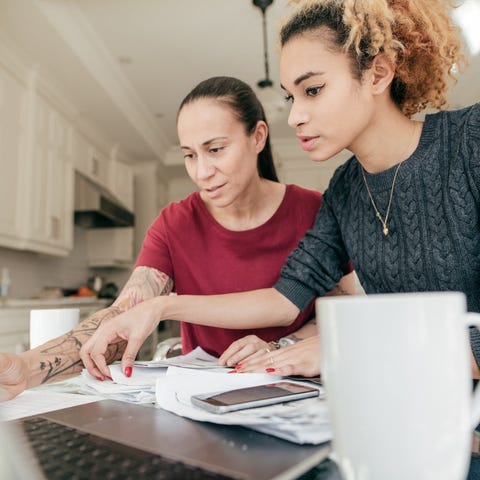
[243, 102]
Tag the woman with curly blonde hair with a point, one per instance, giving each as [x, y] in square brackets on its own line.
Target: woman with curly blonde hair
[405, 207]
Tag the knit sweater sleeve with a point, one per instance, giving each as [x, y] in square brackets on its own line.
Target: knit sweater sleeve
[315, 266]
[470, 149]
[470, 144]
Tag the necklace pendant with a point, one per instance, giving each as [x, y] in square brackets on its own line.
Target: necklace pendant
[385, 230]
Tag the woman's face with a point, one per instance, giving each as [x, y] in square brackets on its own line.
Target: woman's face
[219, 155]
[330, 108]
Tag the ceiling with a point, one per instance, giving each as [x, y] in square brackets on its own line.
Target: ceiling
[126, 64]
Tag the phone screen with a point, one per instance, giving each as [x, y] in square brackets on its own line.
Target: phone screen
[254, 396]
[243, 395]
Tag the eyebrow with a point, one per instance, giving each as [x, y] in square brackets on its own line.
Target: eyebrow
[208, 142]
[304, 76]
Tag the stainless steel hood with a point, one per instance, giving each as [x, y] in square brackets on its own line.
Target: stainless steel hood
[94, 208]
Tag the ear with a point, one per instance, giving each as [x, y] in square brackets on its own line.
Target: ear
[381, 74]
[260, 135]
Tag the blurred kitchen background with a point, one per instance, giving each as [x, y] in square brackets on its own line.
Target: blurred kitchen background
[89, 91]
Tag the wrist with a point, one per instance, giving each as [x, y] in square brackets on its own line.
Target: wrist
[164, 307]
[284, 342]
[30, 366]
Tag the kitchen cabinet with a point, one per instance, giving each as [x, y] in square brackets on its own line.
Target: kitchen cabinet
[98, 168]
[113, 176]
[123, 184]
[91, 161]
[13, 140]
[36, 184]
[51, 225]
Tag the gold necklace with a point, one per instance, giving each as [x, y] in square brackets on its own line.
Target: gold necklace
[383, 221]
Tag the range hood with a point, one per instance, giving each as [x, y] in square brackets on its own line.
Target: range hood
[94, 208]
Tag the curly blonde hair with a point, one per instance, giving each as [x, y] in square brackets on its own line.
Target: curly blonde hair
[418, 36]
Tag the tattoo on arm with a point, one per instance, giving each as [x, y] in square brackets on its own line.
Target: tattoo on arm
[60, 357]
[144, 283]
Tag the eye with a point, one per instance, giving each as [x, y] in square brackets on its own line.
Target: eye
[313, 91]
[187, 156]
[216, 149]
[288, 98]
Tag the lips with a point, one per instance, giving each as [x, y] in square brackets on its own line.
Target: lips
[306, 142]
[214, 191]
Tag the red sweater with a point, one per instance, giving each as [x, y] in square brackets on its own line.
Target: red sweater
[204, 258]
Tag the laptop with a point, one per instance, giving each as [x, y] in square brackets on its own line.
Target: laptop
[112, 439]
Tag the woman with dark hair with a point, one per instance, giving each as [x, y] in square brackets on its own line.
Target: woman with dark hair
[232, 235]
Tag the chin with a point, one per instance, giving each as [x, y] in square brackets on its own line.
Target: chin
[318, 157]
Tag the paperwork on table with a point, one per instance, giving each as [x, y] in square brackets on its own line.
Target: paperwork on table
[140, 387]
[38, 401]
[197, 359]
[301, 421]
[172, 383]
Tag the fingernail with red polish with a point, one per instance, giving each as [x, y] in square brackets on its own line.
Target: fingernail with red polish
[128, 371]
[232, 371]
[269, 370]
[99, 379]
[110, 378]
[238, 365]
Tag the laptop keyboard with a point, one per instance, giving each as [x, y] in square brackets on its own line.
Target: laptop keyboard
[66, 453]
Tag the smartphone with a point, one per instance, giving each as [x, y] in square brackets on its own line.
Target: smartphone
[258, 396]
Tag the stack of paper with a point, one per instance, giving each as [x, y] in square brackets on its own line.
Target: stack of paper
[302, 421]
[171, 384]
[140, 387]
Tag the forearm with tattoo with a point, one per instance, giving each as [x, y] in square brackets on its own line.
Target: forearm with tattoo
[59, 358]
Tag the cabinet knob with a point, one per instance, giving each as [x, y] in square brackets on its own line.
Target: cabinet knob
[95, 166]
[54, 227]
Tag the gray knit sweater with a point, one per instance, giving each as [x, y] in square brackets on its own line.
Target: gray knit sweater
[434, 224]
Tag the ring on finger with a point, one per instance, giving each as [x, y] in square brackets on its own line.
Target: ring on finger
[267, 350]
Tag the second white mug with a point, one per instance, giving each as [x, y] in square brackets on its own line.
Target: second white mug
[46, 324]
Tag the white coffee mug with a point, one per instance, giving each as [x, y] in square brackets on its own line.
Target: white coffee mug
[398, 379]
[46, 324]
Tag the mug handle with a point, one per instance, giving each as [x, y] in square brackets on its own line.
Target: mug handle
[474, 319]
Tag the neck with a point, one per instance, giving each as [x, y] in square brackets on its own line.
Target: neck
[389, 140]
[253, 207]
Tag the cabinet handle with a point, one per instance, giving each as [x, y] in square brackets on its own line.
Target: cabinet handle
[54, 227]
[95, 166]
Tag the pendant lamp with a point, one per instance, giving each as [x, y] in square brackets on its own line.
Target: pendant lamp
[272, 100]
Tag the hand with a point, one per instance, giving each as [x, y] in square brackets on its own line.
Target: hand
[132, 326]
[302, 358]
[242, 348]
[13, 376]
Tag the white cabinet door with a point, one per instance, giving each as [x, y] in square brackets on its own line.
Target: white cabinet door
[99, 168]
[92, 162]
[36, 181]
[52, 182]
[123, 184]
[13, 119]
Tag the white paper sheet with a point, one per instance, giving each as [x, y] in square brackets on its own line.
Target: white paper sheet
[196, 359]
[302, 421]
[34, 402]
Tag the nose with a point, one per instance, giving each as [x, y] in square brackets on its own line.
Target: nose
[297, 115]
[205, 167]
